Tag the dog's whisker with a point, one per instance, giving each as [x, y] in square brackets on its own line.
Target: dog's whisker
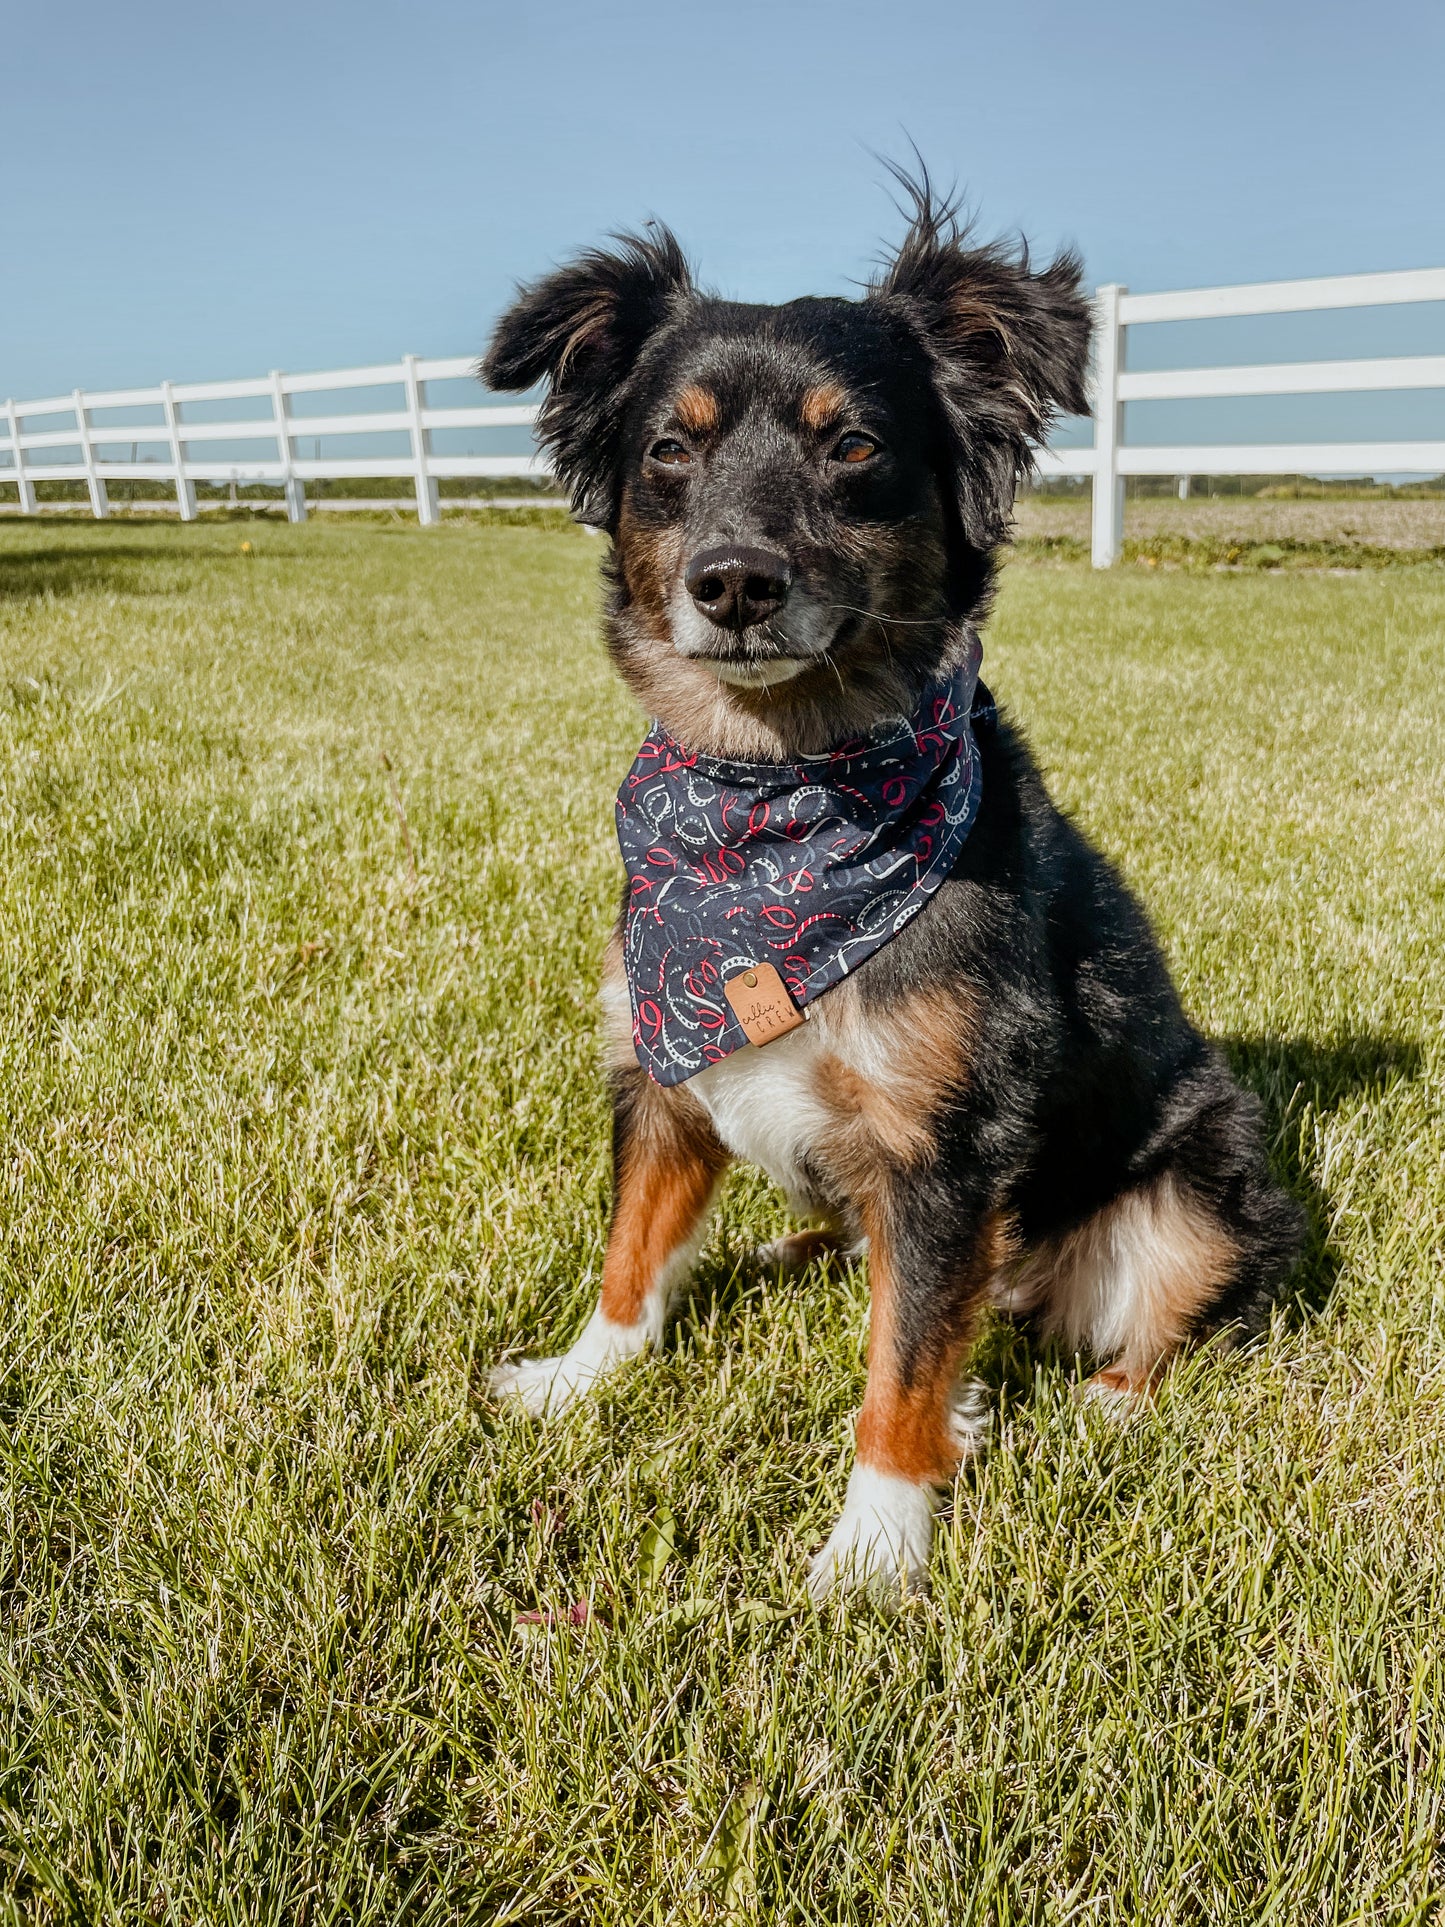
[877, 615]
[831, 661]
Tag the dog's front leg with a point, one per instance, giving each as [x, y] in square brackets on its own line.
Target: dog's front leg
[929, 1260]
[666, 1162]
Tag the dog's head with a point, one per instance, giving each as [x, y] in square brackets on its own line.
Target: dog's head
[804, 500]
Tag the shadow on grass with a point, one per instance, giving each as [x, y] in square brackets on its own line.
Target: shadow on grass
[1294, 1074]
[721, 1285]
[31, 573]
[1290, 1075]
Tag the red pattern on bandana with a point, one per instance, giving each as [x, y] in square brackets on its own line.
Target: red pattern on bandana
[809, 866]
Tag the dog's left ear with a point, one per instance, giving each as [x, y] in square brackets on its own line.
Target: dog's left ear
[581, 331]
[1009, 347]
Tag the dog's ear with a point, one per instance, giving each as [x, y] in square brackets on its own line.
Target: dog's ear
[1009, 347]
[581, 331]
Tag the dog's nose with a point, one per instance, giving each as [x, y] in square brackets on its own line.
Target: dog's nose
[736, 586]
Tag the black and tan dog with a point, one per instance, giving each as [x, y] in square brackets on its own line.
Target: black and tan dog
[1006, 1100]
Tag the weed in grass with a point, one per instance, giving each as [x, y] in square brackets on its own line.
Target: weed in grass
[300, 913]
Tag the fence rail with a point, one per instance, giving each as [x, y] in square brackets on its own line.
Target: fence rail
[1112, 457]
[185, 441]
[1107, 463]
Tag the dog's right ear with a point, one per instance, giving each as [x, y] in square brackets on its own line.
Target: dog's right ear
[581, 331]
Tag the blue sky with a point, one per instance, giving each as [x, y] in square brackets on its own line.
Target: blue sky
[199, 191]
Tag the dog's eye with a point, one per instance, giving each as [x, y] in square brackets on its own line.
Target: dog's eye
[673, 453]
[855, 448]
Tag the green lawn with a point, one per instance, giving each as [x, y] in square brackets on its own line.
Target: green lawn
[301, 1130]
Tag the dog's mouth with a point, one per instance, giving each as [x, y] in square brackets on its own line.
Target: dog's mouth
[764, 654]
[758, 673]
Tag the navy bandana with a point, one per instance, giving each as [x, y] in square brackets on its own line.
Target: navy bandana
[809, 867]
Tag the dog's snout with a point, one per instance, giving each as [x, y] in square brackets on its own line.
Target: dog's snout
[735, 586]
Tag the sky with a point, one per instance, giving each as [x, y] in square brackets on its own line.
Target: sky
[197, 191]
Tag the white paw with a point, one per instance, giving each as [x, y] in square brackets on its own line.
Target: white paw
[540, 1385]
[970, 1418]
[792, 1254]
[781, 1255]
[881, 1543]
[545, 1386]
[1112, 1394]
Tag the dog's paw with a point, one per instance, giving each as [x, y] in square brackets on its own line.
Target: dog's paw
[541, 1386]
[544, 1386]
[881, 1542]
[796, 1250]
[970, 1419]
[1117, 1394]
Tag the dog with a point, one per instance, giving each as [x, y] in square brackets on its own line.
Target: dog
[1001, 1098]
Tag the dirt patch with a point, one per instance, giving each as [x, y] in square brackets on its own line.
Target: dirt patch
[1382, 524]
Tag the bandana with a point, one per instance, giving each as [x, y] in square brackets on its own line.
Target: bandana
[737, 870]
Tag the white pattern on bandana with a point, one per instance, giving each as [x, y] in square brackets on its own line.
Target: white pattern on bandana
[808, 866]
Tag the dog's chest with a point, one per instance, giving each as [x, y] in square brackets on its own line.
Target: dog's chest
[767, 1105]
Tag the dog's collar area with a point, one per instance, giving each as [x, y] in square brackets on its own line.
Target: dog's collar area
[885, 737]
[791, 874]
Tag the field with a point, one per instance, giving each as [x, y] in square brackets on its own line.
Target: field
[307, 865]
[1400, 525]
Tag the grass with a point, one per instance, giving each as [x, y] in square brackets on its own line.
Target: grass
[303, 1125]
[1269, 529]
[1197, 552]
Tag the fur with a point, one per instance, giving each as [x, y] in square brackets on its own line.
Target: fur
[1007, 1101]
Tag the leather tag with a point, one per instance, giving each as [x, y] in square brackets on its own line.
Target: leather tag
[761, 1004]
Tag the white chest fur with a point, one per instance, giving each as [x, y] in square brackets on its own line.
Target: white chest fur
[766, 1106]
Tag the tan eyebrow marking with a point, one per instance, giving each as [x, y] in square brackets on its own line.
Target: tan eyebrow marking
[823, 404]
[696, 410]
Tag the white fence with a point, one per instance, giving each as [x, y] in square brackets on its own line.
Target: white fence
[1111, 458]
[184, 439]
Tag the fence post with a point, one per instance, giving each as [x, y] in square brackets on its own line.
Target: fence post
[428, 503]
[294, 486]
[1108, 505]
[185, 489]
[99, 500]
[23, 482]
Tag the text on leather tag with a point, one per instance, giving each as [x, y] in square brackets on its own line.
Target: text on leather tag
[761, 1004]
